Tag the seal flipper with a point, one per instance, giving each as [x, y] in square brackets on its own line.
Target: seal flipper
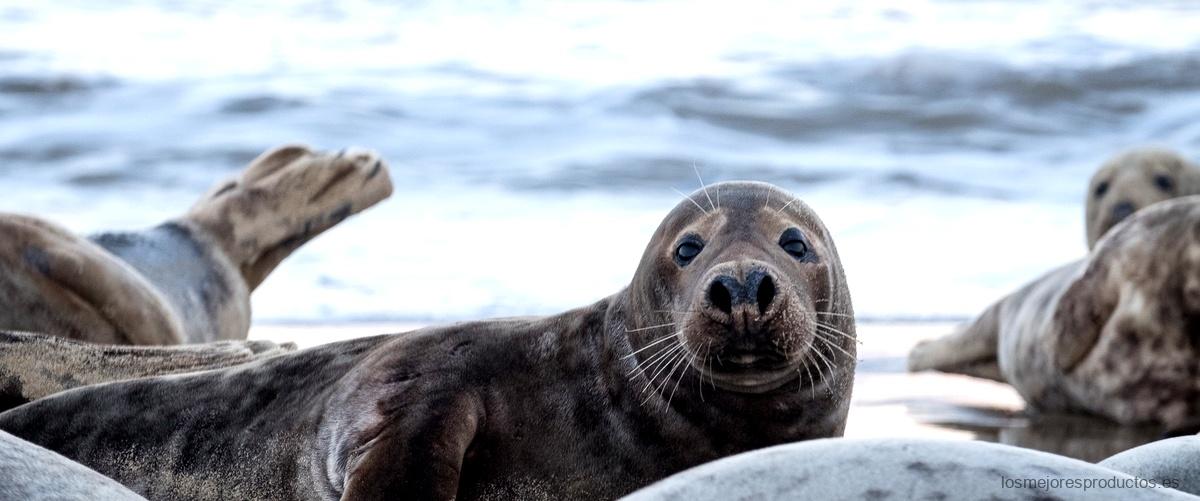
[970, 351]
[1082, 313]
[59, 283]
[34, 366]
[284, 198]
[409, 461]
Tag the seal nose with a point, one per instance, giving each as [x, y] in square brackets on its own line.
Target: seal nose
[1122, 211]
[758, 291]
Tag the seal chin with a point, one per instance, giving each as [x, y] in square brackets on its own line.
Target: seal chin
[748, 378]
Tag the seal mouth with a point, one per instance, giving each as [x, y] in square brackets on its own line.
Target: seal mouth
[757, 371]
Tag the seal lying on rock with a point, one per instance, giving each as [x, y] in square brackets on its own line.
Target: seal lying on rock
[908, 469]
[735, 333]
[1115, 334]
[188, 280]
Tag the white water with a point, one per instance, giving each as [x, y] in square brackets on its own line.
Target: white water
[535, 145]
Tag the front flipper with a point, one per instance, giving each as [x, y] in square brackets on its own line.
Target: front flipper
[417, 456]
[33, 366]
[54, 282]
[286, 197]
[970, 351]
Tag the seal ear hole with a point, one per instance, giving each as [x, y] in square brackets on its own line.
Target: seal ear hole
[1164, 183]
[1101, 189]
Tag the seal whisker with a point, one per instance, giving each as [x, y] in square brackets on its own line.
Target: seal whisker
[652, 343]
[825, 360]
[682, 373]
[820, 372]
[649, 362]
[834, 330]
[704, 187]
[811, 383]
[679, 359]
[832, 314]
[788, 204]
[653, 360]
[627, 329]
[702, 209]
[673, 363]
[825, 340]
[662, 366]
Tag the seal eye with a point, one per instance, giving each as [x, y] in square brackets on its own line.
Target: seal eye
[796, 248]
[687, 251]
[1101, 189]
[793, 242]
[1164, 183]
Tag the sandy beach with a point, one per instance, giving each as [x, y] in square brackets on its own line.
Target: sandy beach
[888, 401]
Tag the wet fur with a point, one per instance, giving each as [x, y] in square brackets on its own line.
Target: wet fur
[188, 280]
[530, 408]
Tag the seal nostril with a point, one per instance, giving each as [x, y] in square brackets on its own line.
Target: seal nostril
[720, 297]
[766, 294]
[1122, 211]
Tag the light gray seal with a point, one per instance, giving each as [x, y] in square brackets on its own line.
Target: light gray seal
[896, 468]
[1115, 335]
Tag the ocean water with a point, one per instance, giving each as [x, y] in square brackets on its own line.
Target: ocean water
[535, 145]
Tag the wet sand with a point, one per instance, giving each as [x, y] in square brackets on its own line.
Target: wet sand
[888, 401]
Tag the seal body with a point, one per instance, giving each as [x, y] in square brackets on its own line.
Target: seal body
[1113, 335]
[1171, 460]
[32, 473]
[188, 280]
[904, 469]
[735, 333]
[198, 283]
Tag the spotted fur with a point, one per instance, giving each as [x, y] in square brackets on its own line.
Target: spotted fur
[1115, 334]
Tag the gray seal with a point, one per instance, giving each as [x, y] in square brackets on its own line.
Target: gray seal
[735, 333]
[1113, 335]
[188, 280]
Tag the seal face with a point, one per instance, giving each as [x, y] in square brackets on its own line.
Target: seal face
[755, 292]
[735, 333]
[1133, 180]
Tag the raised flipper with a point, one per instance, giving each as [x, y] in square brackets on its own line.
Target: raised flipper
[283, 199]
[55, 282]
[971, 351]
[33, 366]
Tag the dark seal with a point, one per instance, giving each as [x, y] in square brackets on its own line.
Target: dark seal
[735, 333]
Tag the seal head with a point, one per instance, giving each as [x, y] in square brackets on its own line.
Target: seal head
[754, 290]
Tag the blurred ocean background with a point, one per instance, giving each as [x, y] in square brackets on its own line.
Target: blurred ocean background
[536, 145]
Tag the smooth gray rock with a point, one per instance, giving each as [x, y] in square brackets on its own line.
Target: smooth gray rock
[897, 469]
[31, 473]
[1171, 459]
